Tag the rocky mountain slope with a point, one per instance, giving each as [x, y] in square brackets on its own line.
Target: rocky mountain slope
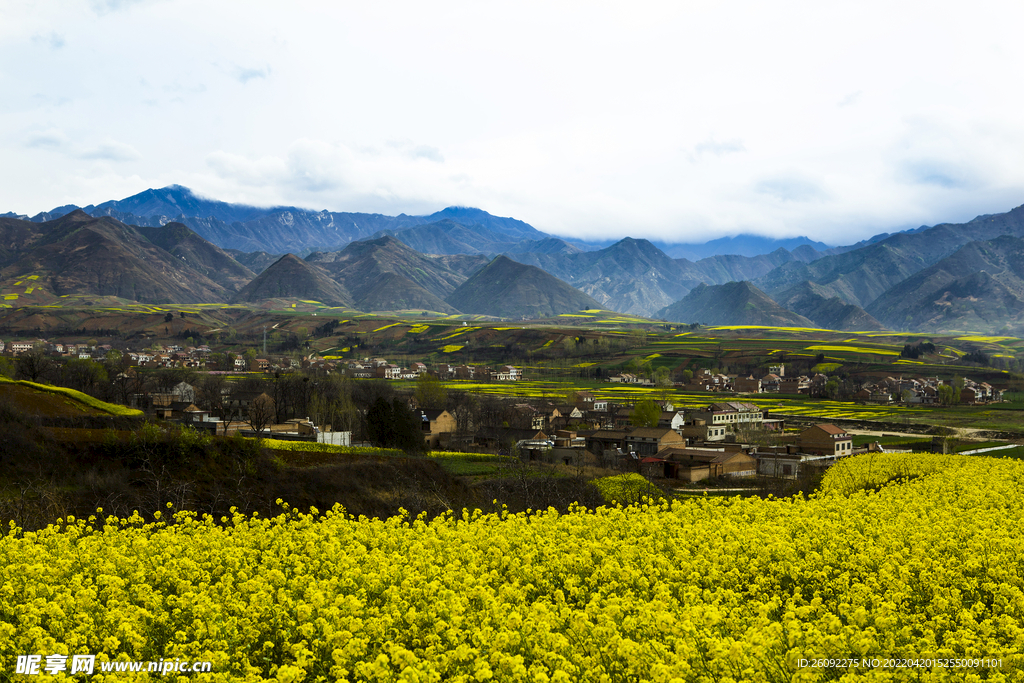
[78, 253]
[828, 312]
[734, 303]
[507, 289]
[290, 276]
[979, 287]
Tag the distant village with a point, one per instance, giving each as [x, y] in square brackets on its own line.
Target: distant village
[724, 438]
[908, 390]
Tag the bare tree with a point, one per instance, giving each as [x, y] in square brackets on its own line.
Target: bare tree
[34, 365]
[210, 393]
[260, 412]
[127, 384]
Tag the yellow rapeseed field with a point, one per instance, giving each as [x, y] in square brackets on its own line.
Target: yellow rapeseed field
[899, 559]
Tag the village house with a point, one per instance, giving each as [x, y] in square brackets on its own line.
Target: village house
[237, 403]
[731, 413]
[646, 441]
[825, 439]
[780, 465]
[585, 400]
[794, 385]
[506, 373]
[699, 430]
[673, 419]
[747, 385]
[465, 372]
[435, 423]
[388, 371]
[563, 416]
[696, 464]
[605, 443]
[21, 346]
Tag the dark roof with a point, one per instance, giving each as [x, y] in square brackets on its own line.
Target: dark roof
[651, 432]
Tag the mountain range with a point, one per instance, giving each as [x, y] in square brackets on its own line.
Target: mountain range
[170, 245]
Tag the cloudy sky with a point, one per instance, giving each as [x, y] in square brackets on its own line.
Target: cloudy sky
[681, 121]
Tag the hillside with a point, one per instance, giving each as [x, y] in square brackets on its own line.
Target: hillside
[463, 264]
[719, 269]
[831, 313]
[979, 288]
[862, 275]
[204, 257]
[78, 254]
[256, 261]
[630, 276]
[366, 259]
[388, 291]
[734, 303]
[507, 289]
[290, 276]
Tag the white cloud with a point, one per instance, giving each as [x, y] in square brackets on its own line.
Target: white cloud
[681, 121]
[111, 150]
[52, 139]
[790, 189]
[244, 75]
[57, 140]
[718, 148]
[52, 40]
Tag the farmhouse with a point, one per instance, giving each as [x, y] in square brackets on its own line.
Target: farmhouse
[695, 464]
[646, 441]
[730, 413]
[825, 439]
[434, 423]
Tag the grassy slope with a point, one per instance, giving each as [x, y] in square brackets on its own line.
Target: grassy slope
[75, 404]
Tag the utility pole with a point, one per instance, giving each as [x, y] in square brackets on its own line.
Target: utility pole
[264, 340]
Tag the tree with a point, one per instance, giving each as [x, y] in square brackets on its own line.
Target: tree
[84, 375]
[430, 392]
[34, 365]
[646, 413]
[832, 388]
[210, 393]
[260, 412]
[958, 386]
[126, 384]
[465, 409]
[331, 403]
[661, 377]
[6, 368]
[393, 425]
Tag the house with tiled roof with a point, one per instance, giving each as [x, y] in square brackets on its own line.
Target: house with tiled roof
[825, 439]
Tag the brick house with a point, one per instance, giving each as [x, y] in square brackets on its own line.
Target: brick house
[825, 439]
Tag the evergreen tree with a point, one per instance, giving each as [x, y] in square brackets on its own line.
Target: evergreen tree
[393, 425]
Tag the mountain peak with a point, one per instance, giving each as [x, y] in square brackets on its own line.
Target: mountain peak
[734, 303]
[509, 289]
